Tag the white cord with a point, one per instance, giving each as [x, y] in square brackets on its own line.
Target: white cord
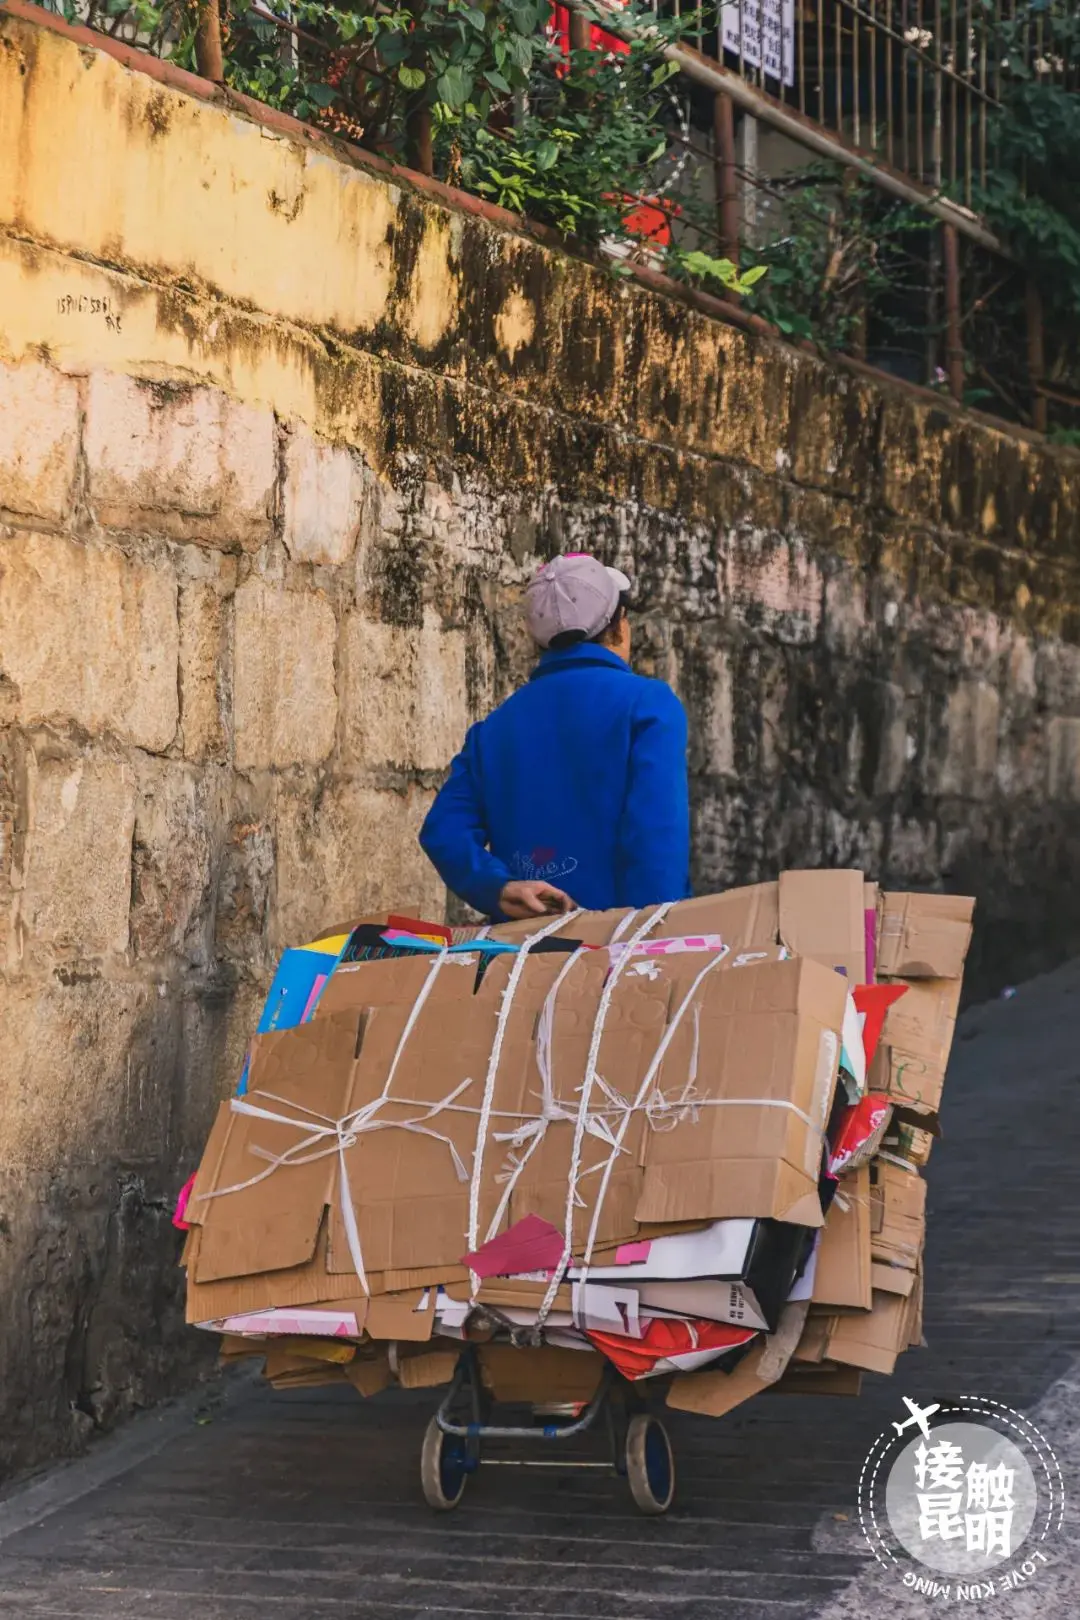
[583, 1108]
[492, 1070]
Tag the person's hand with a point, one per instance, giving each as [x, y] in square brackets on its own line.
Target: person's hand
[523, 901]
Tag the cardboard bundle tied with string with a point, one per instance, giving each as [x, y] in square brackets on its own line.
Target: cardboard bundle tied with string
[657, 1139]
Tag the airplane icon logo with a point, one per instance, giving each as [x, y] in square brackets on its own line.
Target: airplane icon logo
[920, 1415]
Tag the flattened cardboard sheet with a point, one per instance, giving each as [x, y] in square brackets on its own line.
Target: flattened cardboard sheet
[766, 1046]
[898, 1214]
[823, 917]
[872, 1339]
[842, 1278]
[543, 1373]
[923, 936]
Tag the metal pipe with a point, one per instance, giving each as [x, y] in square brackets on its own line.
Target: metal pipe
[1036, 356]
[920, 155]
[716, 77]
[209, 58]
[579, 31]
[727, 188]
[954, 350]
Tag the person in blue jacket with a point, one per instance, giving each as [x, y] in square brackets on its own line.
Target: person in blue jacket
[574, 791]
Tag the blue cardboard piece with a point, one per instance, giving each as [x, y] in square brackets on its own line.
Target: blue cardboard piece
[290, 994]
[293, 996]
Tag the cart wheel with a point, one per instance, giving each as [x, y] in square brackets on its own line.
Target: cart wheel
[650, 1466]
[444, 1468]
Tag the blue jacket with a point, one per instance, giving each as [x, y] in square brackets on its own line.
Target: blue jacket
[578, 779]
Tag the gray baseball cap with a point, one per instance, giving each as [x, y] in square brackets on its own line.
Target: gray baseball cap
[572, 593]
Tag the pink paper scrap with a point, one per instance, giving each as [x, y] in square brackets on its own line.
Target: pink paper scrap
[181, 1206]
[531, 1244]
[871, 945]
[633, 1254]
[316, 992]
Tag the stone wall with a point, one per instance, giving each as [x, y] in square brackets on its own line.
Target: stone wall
[281, 435]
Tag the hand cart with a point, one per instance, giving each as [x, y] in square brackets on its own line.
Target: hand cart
[453, 1443]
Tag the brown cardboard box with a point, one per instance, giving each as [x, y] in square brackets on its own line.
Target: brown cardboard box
[922, 1023]
[826, 1379]
[409, 1199]
[746, 918]
[905, 1140]
[871, 1339]
[740, 1098]
[814, 1336]
[823, 917]
[842, 1275]
[283, 1358]
[399, 1316]
[544, 1373]
[923, 936]
[915, 1313]
[370, 1374]
[307, 1284]
[338, 1352]
[712, 1392]
[633, 1029]
[891, 1279]
[898, 1214]
[769, 1051]
[428, 1370]
[239, 1347]
[916, 1042]
[311, 1378]
[511, 1293]
[591, 928]
[275, 1223]
[913, 1083]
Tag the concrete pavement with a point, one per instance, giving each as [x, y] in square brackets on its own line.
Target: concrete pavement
[308, 1506]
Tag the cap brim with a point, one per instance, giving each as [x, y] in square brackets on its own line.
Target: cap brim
[621, 579]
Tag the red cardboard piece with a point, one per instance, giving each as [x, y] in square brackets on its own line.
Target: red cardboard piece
[872, 1002]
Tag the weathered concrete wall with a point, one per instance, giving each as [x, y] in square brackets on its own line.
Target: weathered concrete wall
[280, 438]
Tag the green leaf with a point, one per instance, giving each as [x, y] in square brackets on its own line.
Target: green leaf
[412, 78]
[454, 85]
[661, 75]
[321, 94]
[547, 155]
[393, 48]
[496, 81]
[749, 278]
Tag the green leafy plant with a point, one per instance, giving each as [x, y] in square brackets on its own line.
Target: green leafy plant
[715, 274]
[838, 253]
[1032, 195]
[589, 143]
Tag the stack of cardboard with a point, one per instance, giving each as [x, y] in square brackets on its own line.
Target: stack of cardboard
[687, 1141]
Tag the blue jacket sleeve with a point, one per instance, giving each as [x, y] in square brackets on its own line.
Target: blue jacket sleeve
[454, 837]
[654, 834]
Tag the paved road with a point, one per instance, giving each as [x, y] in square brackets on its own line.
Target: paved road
[307, 1507]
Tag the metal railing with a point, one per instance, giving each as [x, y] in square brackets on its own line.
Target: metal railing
[902, 93]
[899, 79]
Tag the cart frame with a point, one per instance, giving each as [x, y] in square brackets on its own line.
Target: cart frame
[640, 1448]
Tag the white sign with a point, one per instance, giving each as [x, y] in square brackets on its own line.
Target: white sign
[768, 35]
